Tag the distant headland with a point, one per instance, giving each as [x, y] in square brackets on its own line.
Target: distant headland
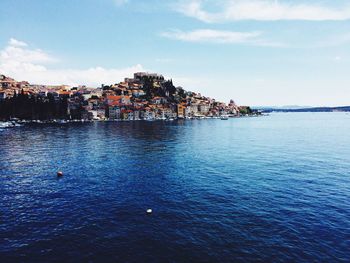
[302, 109]
[146, 96]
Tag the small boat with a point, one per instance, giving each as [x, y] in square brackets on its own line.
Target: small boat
[224, 117]
[6, 124]
[9, 124]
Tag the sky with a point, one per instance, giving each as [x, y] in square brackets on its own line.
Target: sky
[257, 52]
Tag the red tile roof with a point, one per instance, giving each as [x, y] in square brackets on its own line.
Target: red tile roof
[111, 97]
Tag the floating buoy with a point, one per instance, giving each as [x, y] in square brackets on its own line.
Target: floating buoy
[149, 211]
[59, 174]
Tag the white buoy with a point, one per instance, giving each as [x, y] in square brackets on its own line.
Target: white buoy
[149, 211]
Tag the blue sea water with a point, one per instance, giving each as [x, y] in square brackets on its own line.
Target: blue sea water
[274, 188]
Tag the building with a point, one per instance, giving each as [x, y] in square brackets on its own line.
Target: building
[194, 109]
[125, 100]
[181, 111]
[138, 93]
[148, 114]
[204, 108]
[159, 100]
[114, 112]
[152, 76]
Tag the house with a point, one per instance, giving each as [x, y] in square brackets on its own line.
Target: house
[125, 100]
[93, 103]
[130, 114]
[96, 93]
[101, 113]
[114, 112]
[87, 95]
[125, 114]
[204, 108]
[118, 99]
[164, 113]
[64, 94]
[137, 114]
[168, 113]
[181, 110]
[7, 82]
[138, 93]
[113, 99]
[188, 111]
[87, 115]
[194, 109]
[147, 114]
[159, 100]
[42, 93]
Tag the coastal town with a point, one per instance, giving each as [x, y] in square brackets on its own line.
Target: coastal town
[146, 96]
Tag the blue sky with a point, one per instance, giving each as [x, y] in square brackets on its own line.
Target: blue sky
[258, 52]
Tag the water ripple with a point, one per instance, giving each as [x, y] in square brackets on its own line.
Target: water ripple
[252, 189]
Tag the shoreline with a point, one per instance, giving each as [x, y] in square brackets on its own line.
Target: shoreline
[18, 122]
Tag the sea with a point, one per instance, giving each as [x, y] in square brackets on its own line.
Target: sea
[271, 189]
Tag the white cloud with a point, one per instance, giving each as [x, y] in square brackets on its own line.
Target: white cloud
[209, 35]
[264, 10]
[17, 51]
[23, 63]
[221, 37]
[16, 43]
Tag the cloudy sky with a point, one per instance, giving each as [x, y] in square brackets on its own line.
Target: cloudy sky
[258, 52]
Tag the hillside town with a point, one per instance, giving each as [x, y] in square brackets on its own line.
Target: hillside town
[146, 96]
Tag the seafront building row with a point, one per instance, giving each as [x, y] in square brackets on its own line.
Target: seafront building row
[146, 96]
